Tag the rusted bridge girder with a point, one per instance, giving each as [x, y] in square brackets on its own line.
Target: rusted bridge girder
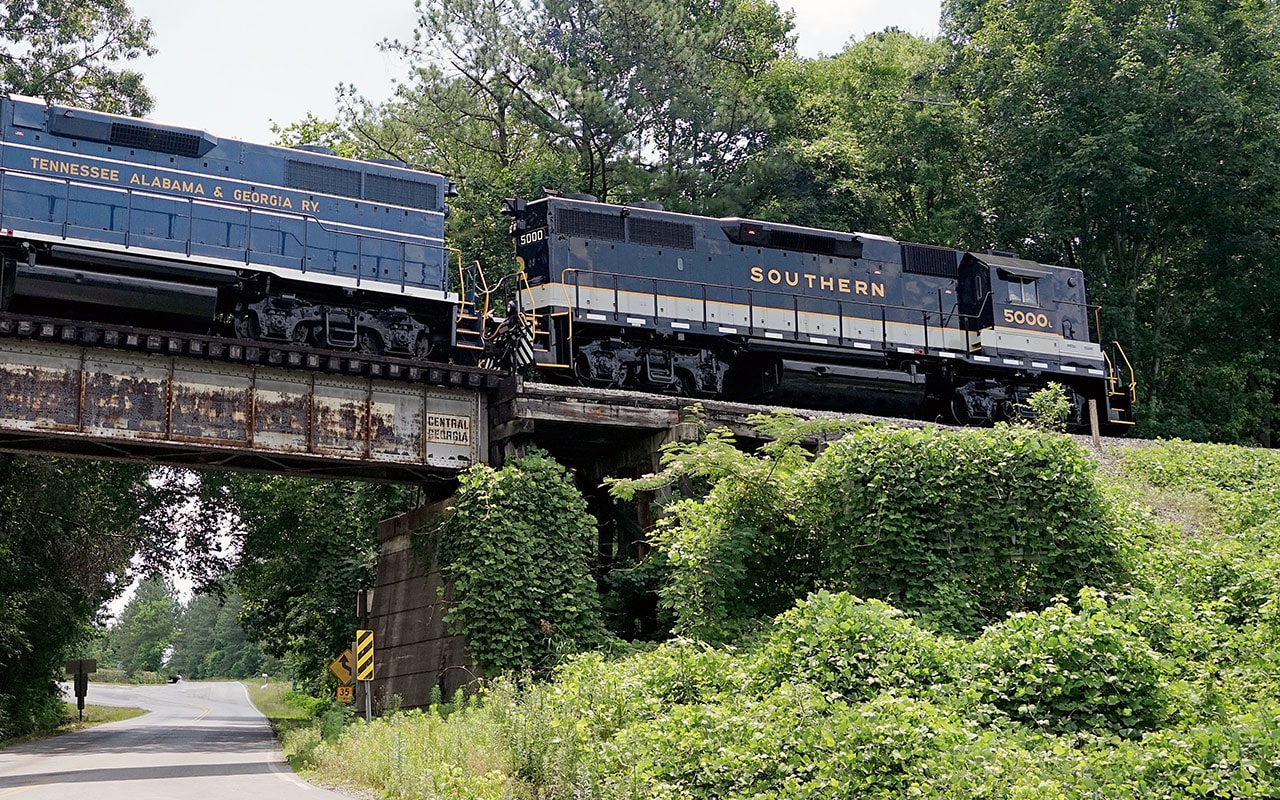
[158, 407]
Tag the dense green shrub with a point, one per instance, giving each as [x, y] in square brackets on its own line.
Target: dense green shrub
[606, 696]
[1063, 670]
[789, 744]
[1166, 689]
[960, 528]
[733, 553]
[518, 545]
[956, 528]
[851, 649]
[735, 558]
[1238, 759]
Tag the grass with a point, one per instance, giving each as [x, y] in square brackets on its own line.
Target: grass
[270, 700]
[96, 715]
[93, 715]
[296, 718]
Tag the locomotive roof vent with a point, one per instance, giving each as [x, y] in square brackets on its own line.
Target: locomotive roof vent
[312, 177]
[823, 243]
[179, 143]
[660, 232]
[400, 192]
[316, 148]
[123, 132]
[922, 259]
[324, 179]
[590, 224]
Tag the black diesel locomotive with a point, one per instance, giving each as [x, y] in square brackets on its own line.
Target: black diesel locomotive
[636, 297]
[113, 219]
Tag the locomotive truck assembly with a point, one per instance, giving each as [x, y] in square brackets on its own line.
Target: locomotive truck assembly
[118, 220]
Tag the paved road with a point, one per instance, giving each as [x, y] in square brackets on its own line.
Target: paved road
[201, 741]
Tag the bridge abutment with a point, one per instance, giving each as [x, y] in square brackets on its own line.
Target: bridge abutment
[418, 660]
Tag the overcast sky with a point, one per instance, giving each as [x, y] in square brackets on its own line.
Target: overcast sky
[231, 67]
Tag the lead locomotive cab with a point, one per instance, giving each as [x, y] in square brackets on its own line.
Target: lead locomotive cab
[639, 298]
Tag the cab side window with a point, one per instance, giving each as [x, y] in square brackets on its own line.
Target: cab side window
[1023, 291]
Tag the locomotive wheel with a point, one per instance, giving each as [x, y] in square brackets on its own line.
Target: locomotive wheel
[422, 348]
[369, 343]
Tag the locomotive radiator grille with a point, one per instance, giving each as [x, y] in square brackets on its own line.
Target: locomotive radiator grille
[940, 262]
[660, 233]
[148, 138]
[400, 192]
[590, 224]
[319, 178]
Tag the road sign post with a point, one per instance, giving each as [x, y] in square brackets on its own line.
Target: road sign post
[79, 669]
[364, 668]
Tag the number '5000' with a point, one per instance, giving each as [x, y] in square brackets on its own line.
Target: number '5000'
[1026, 318]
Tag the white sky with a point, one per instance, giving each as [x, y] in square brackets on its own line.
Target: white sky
[232, 67]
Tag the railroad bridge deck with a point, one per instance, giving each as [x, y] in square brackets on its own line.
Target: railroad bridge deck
[194, 401]
[202, 402]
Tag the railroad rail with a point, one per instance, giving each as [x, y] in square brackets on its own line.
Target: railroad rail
[247, 351]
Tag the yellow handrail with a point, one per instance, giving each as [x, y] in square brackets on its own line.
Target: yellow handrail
[522, 284]
[1133, 376]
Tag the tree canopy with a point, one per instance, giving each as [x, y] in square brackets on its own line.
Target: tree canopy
[72, 52]
[68, 531]
[1136, 140]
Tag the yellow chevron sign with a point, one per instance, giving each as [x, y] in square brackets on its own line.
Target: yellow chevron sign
[364, 655]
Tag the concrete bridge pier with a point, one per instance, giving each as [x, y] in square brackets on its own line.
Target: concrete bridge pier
[417, 660]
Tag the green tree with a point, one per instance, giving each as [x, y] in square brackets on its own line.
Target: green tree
[304, 547]
[147, 627]
[211, 642]
[870, 139]
[511, 98]
[68, 530]
[1136, 140]
[194, 644]
[71, 51]
[311, 130]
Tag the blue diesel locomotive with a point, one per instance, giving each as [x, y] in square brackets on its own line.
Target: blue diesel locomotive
[111, 218]
[640, 298]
